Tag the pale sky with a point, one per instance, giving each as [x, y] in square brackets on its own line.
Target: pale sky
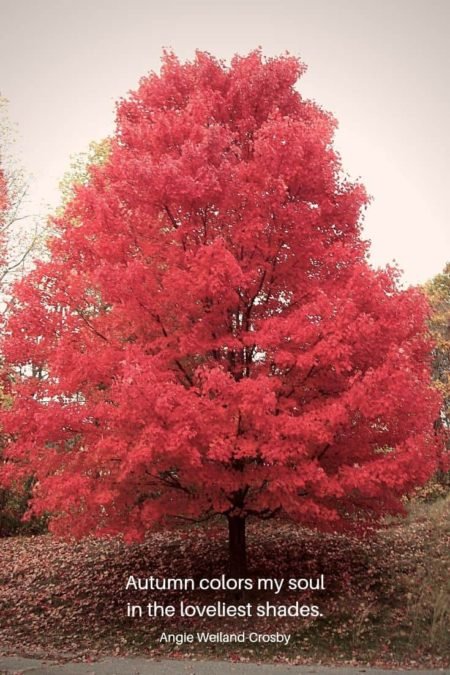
[382, 67]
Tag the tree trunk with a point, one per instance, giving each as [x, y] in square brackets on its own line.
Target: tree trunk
[237, 548]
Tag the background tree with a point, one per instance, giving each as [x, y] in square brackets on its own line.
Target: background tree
[438, 292]
[21, 233]
[79, 172]
[19, 238]
[209, 336]
[3, 197]
[17, 246]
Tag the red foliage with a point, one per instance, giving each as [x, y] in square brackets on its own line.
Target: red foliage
[207, 336]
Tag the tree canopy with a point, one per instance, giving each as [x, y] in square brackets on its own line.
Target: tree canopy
[207, 336]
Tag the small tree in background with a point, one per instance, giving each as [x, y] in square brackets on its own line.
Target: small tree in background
[78, 174]
[16, 243]
[438, 293]
[21, 234]
[208, 334]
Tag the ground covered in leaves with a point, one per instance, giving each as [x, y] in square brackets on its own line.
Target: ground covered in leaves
[386, 599]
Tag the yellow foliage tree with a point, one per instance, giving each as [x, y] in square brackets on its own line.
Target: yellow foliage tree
[438, 292]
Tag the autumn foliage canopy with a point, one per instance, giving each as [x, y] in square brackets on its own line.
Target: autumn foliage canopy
[207, 336]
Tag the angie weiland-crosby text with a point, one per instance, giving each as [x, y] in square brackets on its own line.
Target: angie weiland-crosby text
[242, 636]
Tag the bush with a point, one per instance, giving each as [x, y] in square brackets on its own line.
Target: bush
[429, 595]
[13, 505]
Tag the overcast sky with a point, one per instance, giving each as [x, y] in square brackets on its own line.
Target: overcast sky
[382, 67]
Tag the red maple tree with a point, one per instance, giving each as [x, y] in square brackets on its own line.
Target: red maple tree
[207, 336]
